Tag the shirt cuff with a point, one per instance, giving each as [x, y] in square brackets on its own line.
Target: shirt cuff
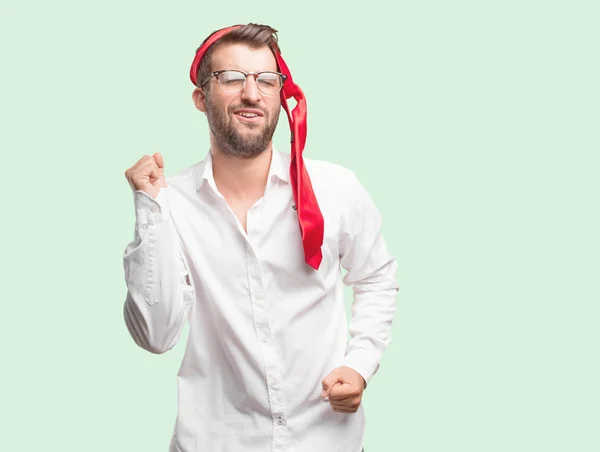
[362, 361]
[149, 210]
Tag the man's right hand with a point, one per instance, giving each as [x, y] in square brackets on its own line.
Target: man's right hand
[147, 174]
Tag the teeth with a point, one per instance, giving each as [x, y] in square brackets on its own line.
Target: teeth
[248, 115]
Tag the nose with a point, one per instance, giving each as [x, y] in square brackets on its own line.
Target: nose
[250, 93]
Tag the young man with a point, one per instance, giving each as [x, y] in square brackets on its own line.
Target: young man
[247, 246]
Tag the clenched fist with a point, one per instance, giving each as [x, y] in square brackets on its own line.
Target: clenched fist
[343, 389]
[147, 174]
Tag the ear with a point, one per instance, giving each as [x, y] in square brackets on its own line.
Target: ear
[199, 98]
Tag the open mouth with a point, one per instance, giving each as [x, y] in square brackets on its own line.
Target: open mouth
[248, 115]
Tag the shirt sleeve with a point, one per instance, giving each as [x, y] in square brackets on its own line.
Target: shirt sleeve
[371, 271]
[159, 290]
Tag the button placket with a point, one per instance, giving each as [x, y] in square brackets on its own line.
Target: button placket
[253, 217]
[260, 312]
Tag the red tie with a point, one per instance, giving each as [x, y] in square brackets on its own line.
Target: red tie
[309, 214]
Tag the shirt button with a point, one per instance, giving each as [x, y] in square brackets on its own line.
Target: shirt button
[153, 209]
[281, 421]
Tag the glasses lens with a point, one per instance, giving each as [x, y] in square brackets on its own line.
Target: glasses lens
[269, 82]
[231, 81]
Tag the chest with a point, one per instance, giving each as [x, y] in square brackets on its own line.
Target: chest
[239, 208]
[223, 239]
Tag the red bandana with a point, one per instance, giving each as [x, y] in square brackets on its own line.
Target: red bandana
[309, 214]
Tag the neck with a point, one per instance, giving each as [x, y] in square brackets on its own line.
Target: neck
[241, 178]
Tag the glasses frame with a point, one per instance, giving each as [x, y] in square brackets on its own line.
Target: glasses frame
[246, 74]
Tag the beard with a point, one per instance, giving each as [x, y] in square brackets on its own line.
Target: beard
[229, 137]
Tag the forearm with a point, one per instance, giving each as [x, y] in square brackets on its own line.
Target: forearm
[158, 290]
[373, 310]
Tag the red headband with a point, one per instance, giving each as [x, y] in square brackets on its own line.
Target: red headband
[309, 214]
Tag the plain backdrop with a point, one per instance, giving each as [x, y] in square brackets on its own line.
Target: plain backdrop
[474, 126]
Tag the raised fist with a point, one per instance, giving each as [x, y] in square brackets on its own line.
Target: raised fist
[147, 174]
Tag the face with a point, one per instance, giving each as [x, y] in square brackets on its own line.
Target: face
[241, 124]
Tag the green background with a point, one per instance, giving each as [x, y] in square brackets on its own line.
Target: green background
[474, 126]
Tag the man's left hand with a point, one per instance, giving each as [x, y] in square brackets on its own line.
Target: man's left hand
[343, 387]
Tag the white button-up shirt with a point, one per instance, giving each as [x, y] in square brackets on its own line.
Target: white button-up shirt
[265, 327]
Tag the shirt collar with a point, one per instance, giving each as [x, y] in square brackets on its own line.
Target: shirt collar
[279, 169]
[280, 166]
[205, 172]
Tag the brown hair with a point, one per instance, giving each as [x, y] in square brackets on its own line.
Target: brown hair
[253, 35]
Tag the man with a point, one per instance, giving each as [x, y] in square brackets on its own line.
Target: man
[247, 246]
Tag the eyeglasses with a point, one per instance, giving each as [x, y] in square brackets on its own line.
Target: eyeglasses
[233, 81]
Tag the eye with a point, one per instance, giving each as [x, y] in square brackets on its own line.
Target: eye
[231, 78]
[269, 79]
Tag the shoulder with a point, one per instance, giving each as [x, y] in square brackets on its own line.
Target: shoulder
[325, 175]
[185, 180]
[339, 189]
